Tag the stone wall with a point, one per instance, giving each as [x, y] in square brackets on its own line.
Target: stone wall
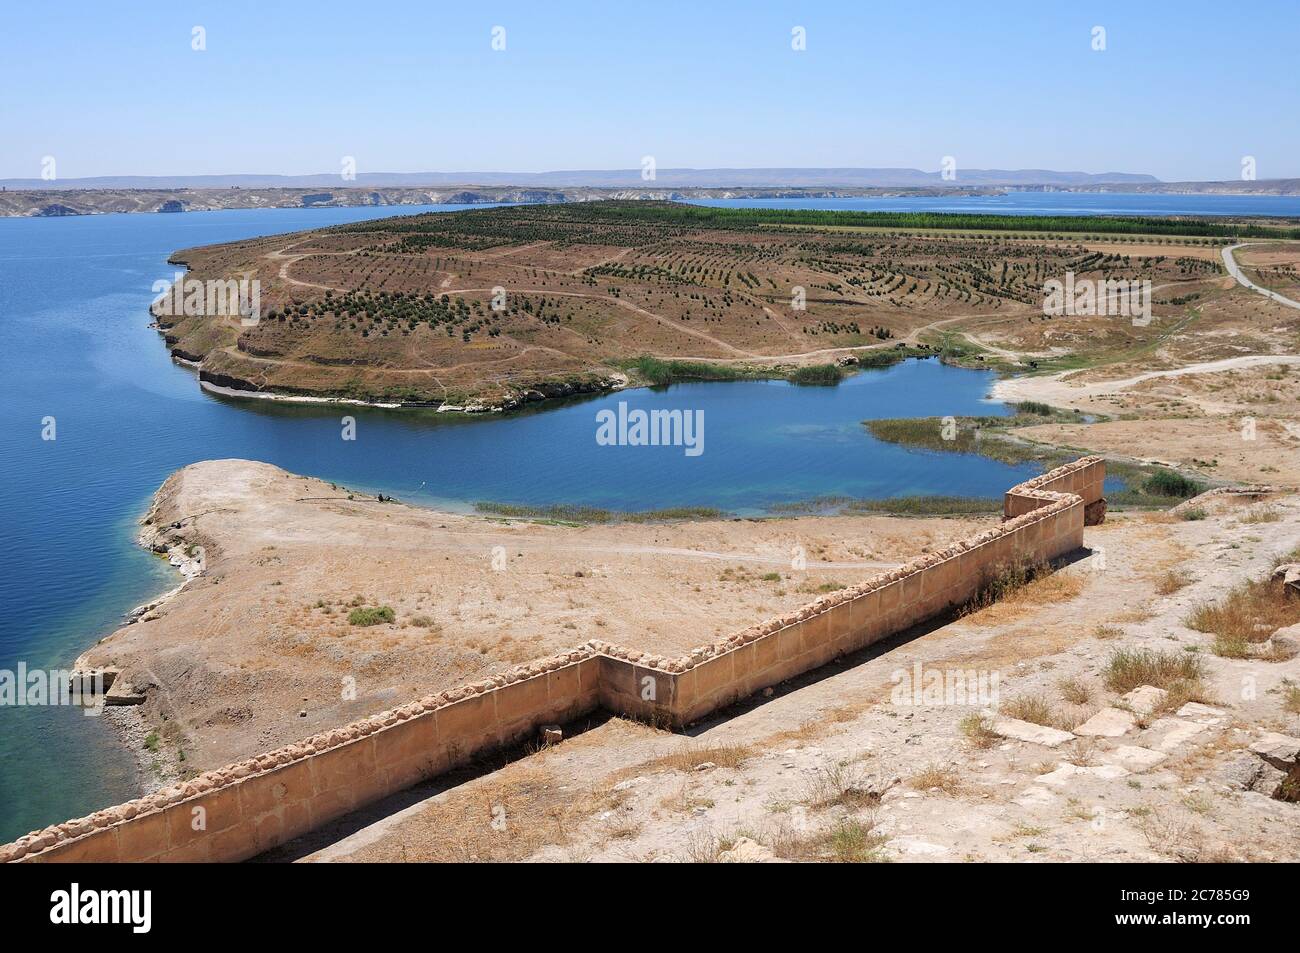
[1084, 478]
[249, 807]
[252, 806]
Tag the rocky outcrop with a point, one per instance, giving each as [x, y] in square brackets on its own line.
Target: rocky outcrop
[1289, 575]
[1272, 767]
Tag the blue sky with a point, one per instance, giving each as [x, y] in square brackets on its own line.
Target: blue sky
[1183, 90]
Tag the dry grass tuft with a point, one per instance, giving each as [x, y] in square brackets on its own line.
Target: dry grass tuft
[506, 816]
[851, 841]
[1291, 697]
[702, 847]
[979, 731]
[840, 785]
[1074, 691]
[942, 777]
[1032, 708]
[1249, 614]
[1084, 751]
[1183, 841]
[1128, 669]
[1262, 514]
[724, 756]
[1179, 693]
[1167, 583]
[1019, 589]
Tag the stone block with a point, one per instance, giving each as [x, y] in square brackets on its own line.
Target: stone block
[1027, 731]
[1108, 723]
[1144, 699]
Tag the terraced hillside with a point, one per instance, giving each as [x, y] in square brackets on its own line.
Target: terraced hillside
[491, 307]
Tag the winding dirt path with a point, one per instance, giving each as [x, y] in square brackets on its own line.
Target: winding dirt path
[1056, 390]
[1234, 269]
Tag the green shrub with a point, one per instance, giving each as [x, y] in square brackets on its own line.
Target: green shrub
[1034, 407]
[590, 514]
[1169, 483]
[816, 374]
[371, 615]
[658, 371]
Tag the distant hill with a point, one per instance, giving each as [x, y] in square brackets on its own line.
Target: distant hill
[609, 178]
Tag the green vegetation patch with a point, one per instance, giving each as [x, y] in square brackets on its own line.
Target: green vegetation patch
[816, 374]
[1169, 483]
[658, 371]
[703, 216]
[929, 505]
[570, 513]
[371, 615]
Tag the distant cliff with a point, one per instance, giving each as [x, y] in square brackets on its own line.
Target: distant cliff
[99, 201]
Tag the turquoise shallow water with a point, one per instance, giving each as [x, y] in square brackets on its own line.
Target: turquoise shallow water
[74, 294]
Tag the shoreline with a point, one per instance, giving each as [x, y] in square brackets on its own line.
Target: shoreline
[153, 768]
[285, 398]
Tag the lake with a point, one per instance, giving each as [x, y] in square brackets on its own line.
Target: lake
[74, 294]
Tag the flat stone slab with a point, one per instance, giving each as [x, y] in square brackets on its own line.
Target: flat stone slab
[1201, 714]
[1066, 772]
[1145, 699]
[1027, 731]
[1135, 757]
[1108, 723]
[1174, 732]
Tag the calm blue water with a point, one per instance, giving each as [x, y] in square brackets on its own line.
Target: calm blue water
[74, 294]
[1047, 203]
